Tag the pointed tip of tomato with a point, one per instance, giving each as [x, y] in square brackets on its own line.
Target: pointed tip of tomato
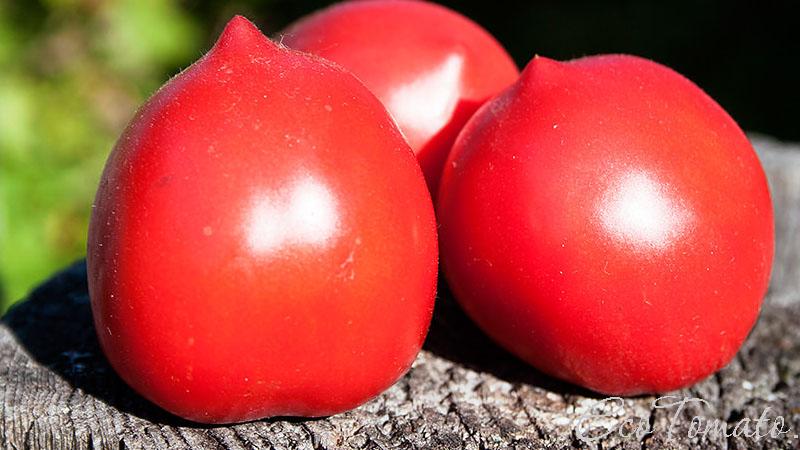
[241, 34]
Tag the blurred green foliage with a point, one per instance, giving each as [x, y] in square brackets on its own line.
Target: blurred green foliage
[72, 73]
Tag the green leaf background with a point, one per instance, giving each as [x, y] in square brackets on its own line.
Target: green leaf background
[71, 75]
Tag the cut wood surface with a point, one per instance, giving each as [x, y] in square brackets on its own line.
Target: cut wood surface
[463, 392]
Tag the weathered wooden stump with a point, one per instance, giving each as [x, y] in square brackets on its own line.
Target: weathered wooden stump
[58, 391]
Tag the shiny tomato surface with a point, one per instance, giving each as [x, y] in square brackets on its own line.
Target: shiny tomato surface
[608, 222]
[430, 66]
[262, 242]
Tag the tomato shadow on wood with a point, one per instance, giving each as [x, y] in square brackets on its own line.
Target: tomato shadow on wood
[54, 325]
[453, 336]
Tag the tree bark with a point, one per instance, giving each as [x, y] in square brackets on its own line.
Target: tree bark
[463, 392]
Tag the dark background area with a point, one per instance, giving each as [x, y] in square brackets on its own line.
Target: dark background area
[72, 73]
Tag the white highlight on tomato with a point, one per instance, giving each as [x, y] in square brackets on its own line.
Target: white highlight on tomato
[437, 89]
[638, 209]
[303, 214]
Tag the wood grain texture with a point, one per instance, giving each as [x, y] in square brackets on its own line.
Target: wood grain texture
[463, 392]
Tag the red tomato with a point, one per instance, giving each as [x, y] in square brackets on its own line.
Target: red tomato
[263, 242]
[430, 66]
[608, 222]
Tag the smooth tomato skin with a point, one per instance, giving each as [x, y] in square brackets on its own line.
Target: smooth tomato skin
[430, 66]
[606, 221]
[262, 242]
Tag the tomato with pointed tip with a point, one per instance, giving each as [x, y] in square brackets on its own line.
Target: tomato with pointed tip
[248, 253]
[608, 222]
[430, 66]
